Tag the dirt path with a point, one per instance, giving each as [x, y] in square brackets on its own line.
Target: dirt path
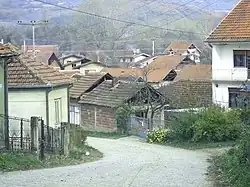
[127, 162]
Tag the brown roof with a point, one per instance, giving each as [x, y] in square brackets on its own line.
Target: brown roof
[188, 93]
[24, 72]
[71, 73]
[235, 26]
[8, 49]
[86, 83]
[119, 72]
[161, 66]
[112, 96]
[178, 45]
[195, 72]
[43, 52]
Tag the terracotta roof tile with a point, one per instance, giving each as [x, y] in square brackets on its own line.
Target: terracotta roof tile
[195, 72]
[235, 26]
[26, 72]
[112, 96]
[119, 72]
[161, 66]
[86, 82]
[188, 93]
[8, 49]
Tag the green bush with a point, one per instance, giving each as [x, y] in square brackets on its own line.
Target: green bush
[122, 115]
[233, 167]
[216, 124]
[77, 137]
[182, 126]
[158, 136]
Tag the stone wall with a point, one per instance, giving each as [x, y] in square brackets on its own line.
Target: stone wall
[98, 118]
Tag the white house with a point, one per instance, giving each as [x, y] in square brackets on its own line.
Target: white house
[184, 48]
[36, 89]
[230, 43]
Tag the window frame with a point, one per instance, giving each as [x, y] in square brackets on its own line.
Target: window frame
[231, 92]
[73, 117]
[245, 65]
[58, 110]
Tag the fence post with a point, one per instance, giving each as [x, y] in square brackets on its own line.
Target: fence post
[42, 141]
[21, 125]
[34, 133]
[65, 138]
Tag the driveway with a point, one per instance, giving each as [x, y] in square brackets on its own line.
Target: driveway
[128, 162]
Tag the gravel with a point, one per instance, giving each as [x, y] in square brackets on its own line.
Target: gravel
[127, 162]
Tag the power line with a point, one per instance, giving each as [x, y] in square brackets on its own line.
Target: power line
[178, 19]
[125, 12]
[115, 19]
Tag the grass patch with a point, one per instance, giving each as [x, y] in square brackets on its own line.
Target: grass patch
[27, 161]
[110, 135]
[201, 145]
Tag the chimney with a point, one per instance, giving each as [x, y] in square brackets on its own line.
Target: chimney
[1, 41]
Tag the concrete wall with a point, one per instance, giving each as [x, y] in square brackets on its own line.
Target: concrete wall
[62, 95]
[224, 74]
[70, 59]
[69, 67]
[2, 105]
[92, 68]
[27, 103]
[1, 87]
[98, 118]
[223, 63]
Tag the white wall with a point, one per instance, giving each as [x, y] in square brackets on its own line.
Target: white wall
[69, 67]
[65, 61]
[25, 104]
[223, 62]
[92, 68]
[139, 58]
[58, 93]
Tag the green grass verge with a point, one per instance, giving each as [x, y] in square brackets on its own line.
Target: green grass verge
[201, 145]
[27, 161]
[229, 170]
[110, 135]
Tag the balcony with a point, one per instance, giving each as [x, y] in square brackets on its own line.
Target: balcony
[235, 74]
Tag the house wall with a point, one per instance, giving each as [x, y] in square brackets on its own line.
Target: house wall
[1, 88]
[2, 105]
[62, 94]
[223, 63]
[221, 94]
[27, 103]
[71, 59]
[224, 74]
[98, 118]
[91, 68]
[139, 58]
[69, 67]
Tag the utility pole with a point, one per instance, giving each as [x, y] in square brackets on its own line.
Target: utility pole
[153, 48]
[33, 24]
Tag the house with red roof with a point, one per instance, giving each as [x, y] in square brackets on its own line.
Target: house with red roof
[230, 42]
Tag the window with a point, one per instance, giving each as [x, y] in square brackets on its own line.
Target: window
[74, 114]
[233, 97]
[241, 58]
[73, 65]
[69, 61]
[58, 111]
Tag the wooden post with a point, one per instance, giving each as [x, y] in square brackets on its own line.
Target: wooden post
[34, 134]
[21, 124]
[42, 141]
[65, 138]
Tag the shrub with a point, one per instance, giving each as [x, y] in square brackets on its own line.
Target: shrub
[122, 115]
[233, 167]
[182, 126]
[77, 137]
[216, 124]
[158, 136]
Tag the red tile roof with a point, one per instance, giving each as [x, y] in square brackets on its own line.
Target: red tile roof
[23, 72]
[235, 26]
